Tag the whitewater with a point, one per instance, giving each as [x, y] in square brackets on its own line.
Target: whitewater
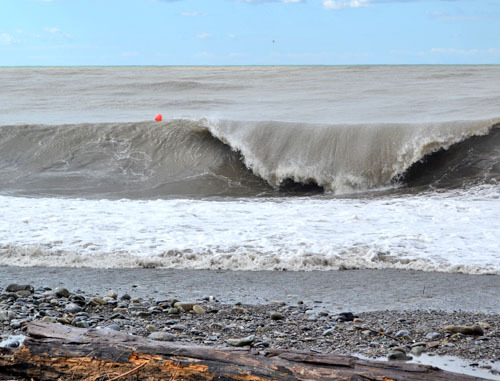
[254, 168]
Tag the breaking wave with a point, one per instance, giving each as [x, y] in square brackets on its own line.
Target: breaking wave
[204, 158]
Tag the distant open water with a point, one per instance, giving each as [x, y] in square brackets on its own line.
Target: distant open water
[276, 168]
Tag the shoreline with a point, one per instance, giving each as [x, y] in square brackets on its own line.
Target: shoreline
[355, 290]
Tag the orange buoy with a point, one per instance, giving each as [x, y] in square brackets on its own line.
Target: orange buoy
[158, 117]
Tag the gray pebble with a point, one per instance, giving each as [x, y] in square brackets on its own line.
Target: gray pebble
[433, 336]
[73, 308]
[61, 292]
[241, 342]
[162, 336]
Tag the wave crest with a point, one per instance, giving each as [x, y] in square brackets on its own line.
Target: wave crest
[185, 158]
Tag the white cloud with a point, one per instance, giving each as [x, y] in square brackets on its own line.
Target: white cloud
[337, 5]
[203, 35]
[6, 39]
[130, 54]
[52, 30]
[342, 4]
[57, 33]
[230, 35]
[270, 1]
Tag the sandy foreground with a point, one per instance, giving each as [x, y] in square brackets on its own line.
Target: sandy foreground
[390, 309]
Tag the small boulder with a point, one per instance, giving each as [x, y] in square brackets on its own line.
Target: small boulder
[241, 342]
[276, 316]
[20, 287]
[475, 330]
[198, 309]
[61, 292]
[162, 336]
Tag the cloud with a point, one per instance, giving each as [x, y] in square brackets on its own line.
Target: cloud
[270, 1]
[203, 35]
[57, 33]
[6, 39]
[337, 5]
[130, 54]
[52, 30]
[341, 4]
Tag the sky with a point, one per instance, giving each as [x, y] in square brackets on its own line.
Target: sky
[248, 32]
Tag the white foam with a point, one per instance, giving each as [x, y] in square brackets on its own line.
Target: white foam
[450, 231]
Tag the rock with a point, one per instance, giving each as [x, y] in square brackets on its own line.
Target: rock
[240, 310]
[403, 334]
[198, 309]
[78, 299]
[345, 316]
[82, 324]
[162, 336]
[184, 306]
[261, 344]
[49, 319]
[475, 330]
[16, 324]
[12, 341]
[173, 311]
[328, 331]
[276, 316]
[72, 308]
[172, 321]
[20, 287]
[96, 301]
[398, 356]
[484, 325]
[358, 320]
[241, 342]
[432, 336]
[114, 327]
[125, 297]
[61, 292]
[418, 348]
[143, 314]
[6, 315]
[433, 344]
[112, 295]
[178, 327]
[23, 293]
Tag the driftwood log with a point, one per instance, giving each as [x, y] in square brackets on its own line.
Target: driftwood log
[60, 352]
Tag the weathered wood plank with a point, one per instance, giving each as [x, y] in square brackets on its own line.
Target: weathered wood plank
[54, 351]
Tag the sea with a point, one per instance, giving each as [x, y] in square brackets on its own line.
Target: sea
[252, 168]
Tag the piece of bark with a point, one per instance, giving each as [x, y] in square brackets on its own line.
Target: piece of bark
[55, 351]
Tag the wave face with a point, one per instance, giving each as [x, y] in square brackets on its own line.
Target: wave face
[183, 158]
[127, 160]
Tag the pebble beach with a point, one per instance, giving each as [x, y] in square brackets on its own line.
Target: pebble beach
[309, 326]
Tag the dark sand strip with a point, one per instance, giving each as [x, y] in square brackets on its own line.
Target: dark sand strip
[351, 290]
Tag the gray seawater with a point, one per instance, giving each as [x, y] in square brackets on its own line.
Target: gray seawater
[281, 150]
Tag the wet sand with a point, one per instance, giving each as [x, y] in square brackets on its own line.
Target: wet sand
[350, 290]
